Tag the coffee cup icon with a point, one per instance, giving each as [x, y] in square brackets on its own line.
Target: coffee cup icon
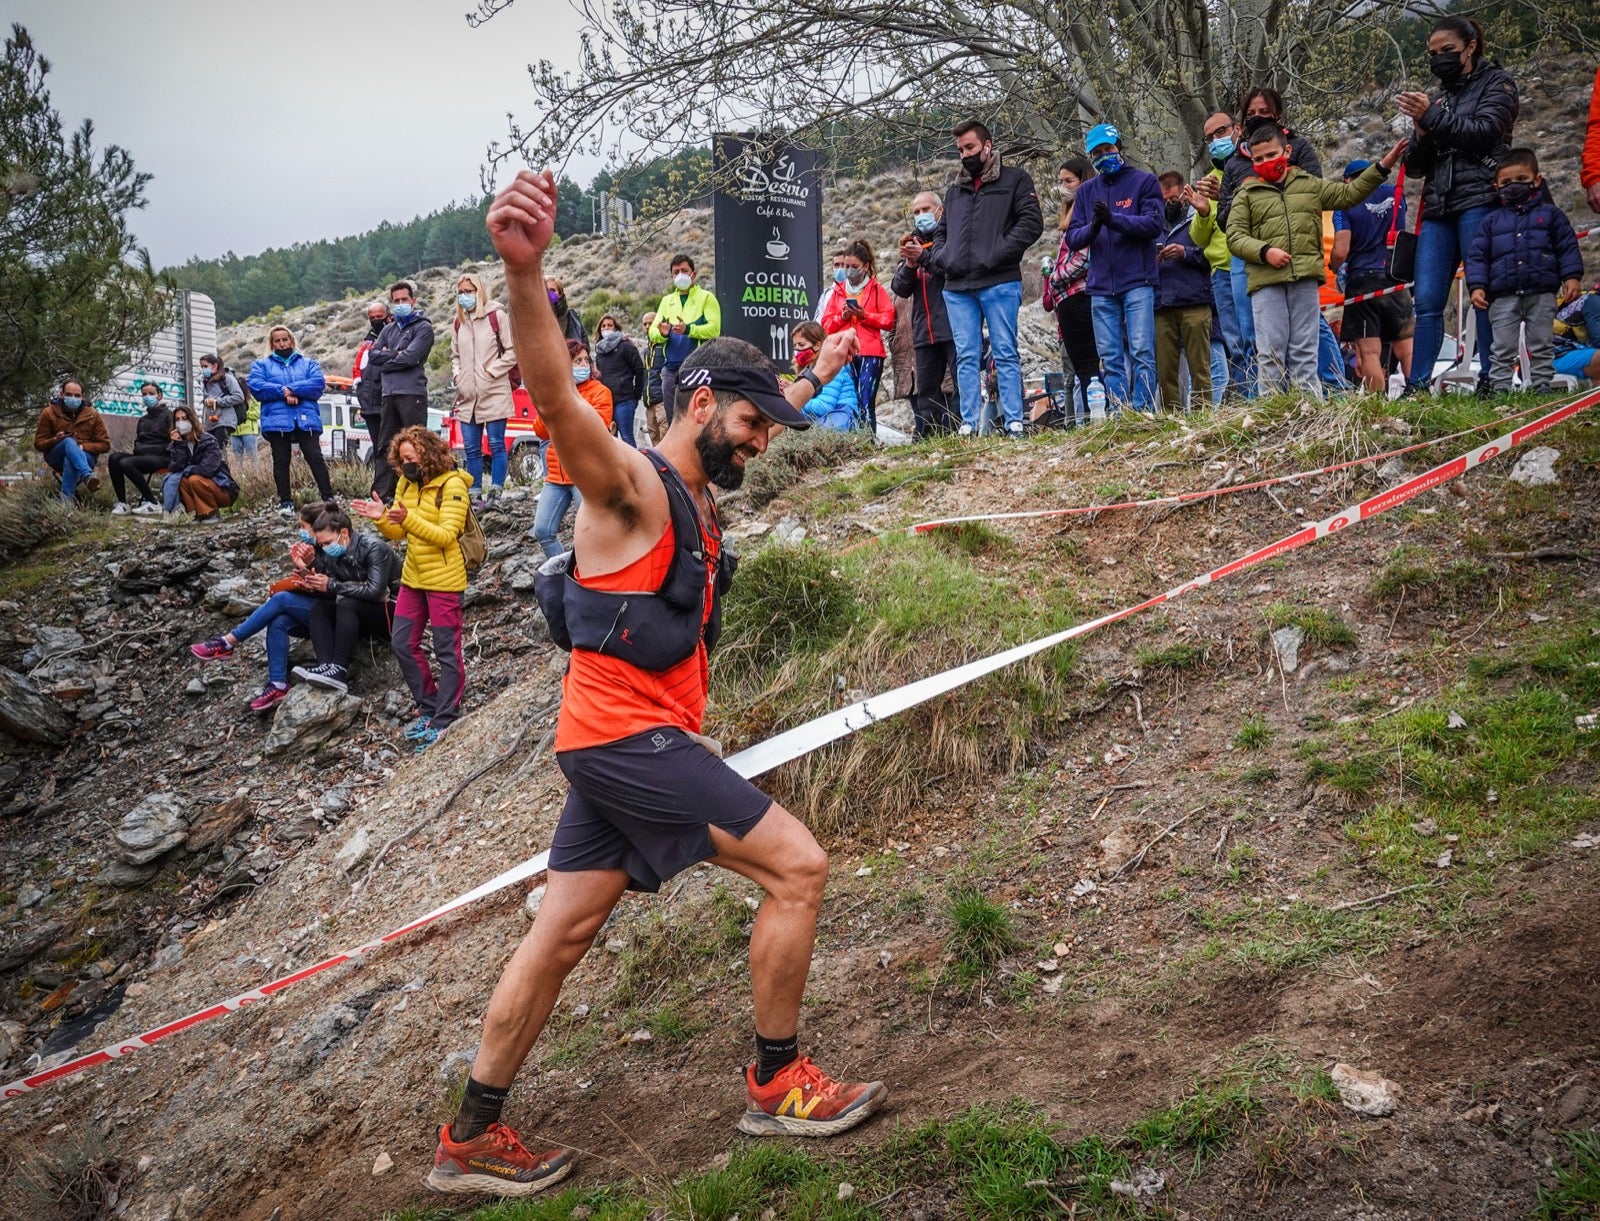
[777, 248]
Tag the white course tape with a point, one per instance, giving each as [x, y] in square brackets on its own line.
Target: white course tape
[803, 739]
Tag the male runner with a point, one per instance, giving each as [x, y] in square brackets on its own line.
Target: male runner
[648, 798]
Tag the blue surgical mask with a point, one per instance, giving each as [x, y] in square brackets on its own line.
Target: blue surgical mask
[838, 275]
[306, 536]
[333, 550]
[467, 300]
[401, 309]
[1221, 148]
[149, 400]
[72, 402]
[580, 373]
[207, 372]
[925, 222]
[1108, 163]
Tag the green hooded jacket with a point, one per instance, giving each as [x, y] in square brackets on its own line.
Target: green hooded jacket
[1288, 215]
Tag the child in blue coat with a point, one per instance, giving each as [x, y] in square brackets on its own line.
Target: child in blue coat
[1524, 264]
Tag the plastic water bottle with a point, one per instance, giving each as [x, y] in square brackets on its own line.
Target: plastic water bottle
[1097, 399]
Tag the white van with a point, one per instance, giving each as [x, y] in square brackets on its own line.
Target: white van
[344, 436]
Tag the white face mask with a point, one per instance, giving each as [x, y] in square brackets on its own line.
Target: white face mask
[682, 280]
[185, 428]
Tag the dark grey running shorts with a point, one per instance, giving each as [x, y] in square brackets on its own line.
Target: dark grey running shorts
[646, 804]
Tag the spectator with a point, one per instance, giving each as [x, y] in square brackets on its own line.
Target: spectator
[1457, 141]
[1066, 280]
[356, 573]
[991, 217]
[152, 436]
[222, 398]
[369, 390]
[1522, 265]
[1232, 362]
[686, 318]
[1257, 103]
[399, 359]
[835, 278]
[1183, 303]
[558, 493]
[72, 435]
[1275, 225]
[1117, 216]
[1361, 249]
[197, 471]
[571, 323]
[481, 363]
[935, 350]
[430, 509]
[1589, 174]
[286, 613]
[289, 385]
[864, 306]
[837, 404]
[621, 371]
[1578, 338]
[243, 444]
[655, 412]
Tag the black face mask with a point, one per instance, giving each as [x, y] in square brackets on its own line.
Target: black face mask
[374, 326]
[412, 471]
[1176, 211]
[1515, 194]
[973, 164]
[1446, 65]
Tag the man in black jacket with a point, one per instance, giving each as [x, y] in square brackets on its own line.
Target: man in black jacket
[991, 217]
[930, 323]
[399, 356]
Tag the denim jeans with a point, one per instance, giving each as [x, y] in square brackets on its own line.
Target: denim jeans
[1125, 333]
[170, 500]
[282, 615]
[244, 445]
[74, 466]
[472, 446]
[997, 305]
[622, 413]
[554, 500]
[1330, 356]
[1227, 341]
[1244, 319]
[1441, 246]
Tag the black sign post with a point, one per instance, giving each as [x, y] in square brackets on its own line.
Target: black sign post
[767, 217]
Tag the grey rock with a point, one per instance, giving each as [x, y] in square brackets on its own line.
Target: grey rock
[1391, 470]
[1286, 641]
[232, 597]
[197, 686]
[518, 572]
[153, 828]
[13, 1037]
[29, 896]
[309, 717]
[336, 801]
[29, 715]
[356, 847]
[49, 641]
[167, 956]
[1537, 467]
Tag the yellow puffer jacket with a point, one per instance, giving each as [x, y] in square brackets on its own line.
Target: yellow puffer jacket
[436, 514]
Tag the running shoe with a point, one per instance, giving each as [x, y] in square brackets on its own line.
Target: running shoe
[287, 509]
[964, 431]
[215, 649]
[269, 698]
[120, 509]
[1014, 429]
[802, 1100]
[145, 508]
[427, 738]
[328, 675]
[417, 728]
[495, 1163]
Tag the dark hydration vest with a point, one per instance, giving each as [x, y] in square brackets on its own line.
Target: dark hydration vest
[651, 629]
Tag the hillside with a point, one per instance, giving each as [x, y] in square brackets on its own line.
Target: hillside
[1119, 909]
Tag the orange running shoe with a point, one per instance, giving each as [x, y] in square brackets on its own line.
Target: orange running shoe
[495, 1163]
[802, 1100]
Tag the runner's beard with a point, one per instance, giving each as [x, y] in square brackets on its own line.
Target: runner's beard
[716, 450]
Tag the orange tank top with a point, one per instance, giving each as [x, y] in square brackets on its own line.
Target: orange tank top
[605, 699]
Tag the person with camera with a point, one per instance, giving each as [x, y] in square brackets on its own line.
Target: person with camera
[931, 339]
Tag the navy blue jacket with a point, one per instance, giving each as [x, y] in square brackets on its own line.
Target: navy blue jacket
[930, 323]
[1186, 281]
[1528, 249]
[988, 226]
[1122, 253]
[399, 355]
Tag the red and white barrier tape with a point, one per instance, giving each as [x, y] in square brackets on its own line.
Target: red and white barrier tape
[922, 527]
[804, 739]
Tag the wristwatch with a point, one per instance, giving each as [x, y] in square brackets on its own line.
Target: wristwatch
[810, 375]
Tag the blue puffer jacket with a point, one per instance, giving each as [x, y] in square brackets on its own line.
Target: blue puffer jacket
[838, 404]
[272, 375]
[1187, 281]
[1522, 250]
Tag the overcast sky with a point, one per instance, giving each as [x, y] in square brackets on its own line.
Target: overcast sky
[270, 123]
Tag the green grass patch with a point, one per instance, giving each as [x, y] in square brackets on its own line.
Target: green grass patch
[1416, 575]
[675, 948]
[971, 538]
[1577, 1187]
[785, 600]
[1253, 734]
[1321, 627]
[979, 936]
[1172, 658]
[794, 454]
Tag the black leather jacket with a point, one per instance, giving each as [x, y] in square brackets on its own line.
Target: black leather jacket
[1465, 132]
[366, 571]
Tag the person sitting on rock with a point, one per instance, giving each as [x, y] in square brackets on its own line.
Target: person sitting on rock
[360, 572]
[71, 435]
[197, 473]
[152, 438]
[285, 614]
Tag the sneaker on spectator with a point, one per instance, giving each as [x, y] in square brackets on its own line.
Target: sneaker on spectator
[1014, 429]
[286, 509]
[120, 509]
[417, 728]
[90, 485]
[210, 519]
[964, 431]
[146, 508]
[215, 649]
[427, 738]
[271, 696]
[334, 677]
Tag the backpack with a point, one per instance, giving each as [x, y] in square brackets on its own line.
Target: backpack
[514, 374]
[244, 388]
[474, 544]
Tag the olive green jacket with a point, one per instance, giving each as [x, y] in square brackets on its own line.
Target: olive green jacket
[1288, 215]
